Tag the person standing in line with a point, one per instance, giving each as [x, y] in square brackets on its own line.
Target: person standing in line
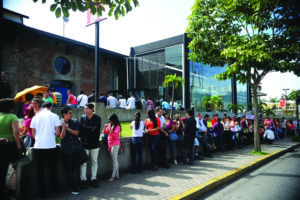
[91, 97]
[9, 139]
[82, 99]
[189, 137]
[47, 98]
[113, 129]
[45, 126]
[71, 102]
[111, 101]
[89, 135]
[137, 143]
[201, 134]
[70, 146]
[179, 131]
[150, 104]
[218, 129]
[152, 125]
[171, 128]
[103, 99]
[163, 139]
[131, 102]
[58, 97]
[138, 104]
[122, 102]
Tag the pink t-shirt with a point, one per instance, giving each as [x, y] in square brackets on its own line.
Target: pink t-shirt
[27, 123]
[113, 139]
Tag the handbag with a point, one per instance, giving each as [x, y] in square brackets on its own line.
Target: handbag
[82, 157]
[173, 136]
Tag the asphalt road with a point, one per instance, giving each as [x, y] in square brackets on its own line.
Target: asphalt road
[279, 179]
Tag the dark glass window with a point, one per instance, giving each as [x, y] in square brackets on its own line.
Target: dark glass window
[62, 65]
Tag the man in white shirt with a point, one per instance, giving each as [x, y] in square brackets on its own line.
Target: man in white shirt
[269, 135]
[45, 126]
[201, 135]
[122, 102]
[111, 101]
[82, 99]
[131, 102]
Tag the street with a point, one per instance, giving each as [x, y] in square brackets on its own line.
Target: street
[279, 179]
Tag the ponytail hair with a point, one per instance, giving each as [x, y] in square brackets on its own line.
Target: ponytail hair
[137, 120]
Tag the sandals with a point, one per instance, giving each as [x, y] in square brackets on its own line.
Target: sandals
[111, 179]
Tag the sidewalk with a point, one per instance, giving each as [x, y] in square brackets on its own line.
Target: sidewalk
[180, 181]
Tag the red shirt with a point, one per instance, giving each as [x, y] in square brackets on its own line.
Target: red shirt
[292, 127]
[213, 121]
[149, 124]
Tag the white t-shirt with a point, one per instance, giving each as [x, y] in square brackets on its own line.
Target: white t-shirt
[84, 100]
[162, 121]
[269, 134]
[122, 103]
[131, 103]
[44, 124]
[112, 102]
[139, 132]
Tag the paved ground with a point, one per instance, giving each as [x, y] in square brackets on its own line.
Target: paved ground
[180, 181]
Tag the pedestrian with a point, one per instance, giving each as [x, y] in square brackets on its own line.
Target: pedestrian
[89, 135]
[9, 140]
[201, 135]
[70, 146]
[47, 98]
[26, 134]
[122, 102]
[71, 101]
[91, 97]
[58, 97]
[111, 101]
[5, 90]
[138, 104]
[218, 129]
[28, 99]
[189, 137]
[137, 143]
[113, 129]
[45, 126]
[150, 104]
[152, 126]
[131, 102]
[179, 131]
[36, 105]
[162, 145]
[171, 129]
[144, 103]
[269, 135]
[157, 103]
[82, 99]
[103, 99]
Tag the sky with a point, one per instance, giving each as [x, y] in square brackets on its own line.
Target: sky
[152, 20]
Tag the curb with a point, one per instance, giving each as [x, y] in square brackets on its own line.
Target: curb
[202, 189]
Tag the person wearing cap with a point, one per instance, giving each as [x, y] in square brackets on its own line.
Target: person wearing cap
[89, 135]
[45, 127]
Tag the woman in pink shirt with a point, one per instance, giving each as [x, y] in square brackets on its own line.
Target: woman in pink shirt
[26, 133]
[113, 129]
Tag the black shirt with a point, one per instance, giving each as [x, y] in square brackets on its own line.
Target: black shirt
[71, 144]
[90, 131]
[138, 104]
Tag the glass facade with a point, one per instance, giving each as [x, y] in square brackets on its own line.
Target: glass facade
[241, 94]
[203, 84]
[151, 69]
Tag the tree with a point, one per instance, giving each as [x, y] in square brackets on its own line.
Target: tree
[206, 102]
[295, 96]
[268, 112]
[250, 38]
[216, 102]
[116, 7]
[274, 100]
[174, 80]
[235, 108]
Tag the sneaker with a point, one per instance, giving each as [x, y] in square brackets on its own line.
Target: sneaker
[84, 184]
[175, 162]
[95, 183]
[75, 191]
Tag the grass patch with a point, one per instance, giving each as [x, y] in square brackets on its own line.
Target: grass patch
[126, 131]
[295, 138]
[262, 153]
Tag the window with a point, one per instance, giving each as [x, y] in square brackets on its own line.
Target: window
[62, 65]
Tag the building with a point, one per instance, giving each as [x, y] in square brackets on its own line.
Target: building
[34, 57]
[149, 64]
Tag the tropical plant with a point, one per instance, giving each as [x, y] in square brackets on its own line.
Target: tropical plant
[251, 38]
[295, 96]
[216, 102]
[174, 81]
[206, 102]
[116, 7]
[235, 108]
[274, 100]
[268, 112]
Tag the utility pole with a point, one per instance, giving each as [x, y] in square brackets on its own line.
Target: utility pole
[285, 100]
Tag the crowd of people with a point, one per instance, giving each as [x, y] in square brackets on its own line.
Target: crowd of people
[79, 138]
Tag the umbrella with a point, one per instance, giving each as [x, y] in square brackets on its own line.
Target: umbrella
[20, 96]
[250, 117]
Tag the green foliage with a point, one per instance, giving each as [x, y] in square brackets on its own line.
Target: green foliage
[116, 7]
[274, 100]
[126, 130]
[212, 103]
[260, 153]
[294, 95]
[235, 108]
[295, 138]
[268, 112]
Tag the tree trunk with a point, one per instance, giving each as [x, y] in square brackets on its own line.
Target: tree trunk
[173, 89]
[256, 121]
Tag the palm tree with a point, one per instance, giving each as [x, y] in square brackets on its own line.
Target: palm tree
[217, 102]
[268, 112]
[206, 102]
[274, 100]
[295, 96]
[235, 108]
[174, 81]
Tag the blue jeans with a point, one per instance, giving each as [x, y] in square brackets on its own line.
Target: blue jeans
[202, 140]
[137, 144]
[153, 141]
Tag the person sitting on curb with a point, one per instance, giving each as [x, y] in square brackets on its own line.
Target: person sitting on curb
[269, 135]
